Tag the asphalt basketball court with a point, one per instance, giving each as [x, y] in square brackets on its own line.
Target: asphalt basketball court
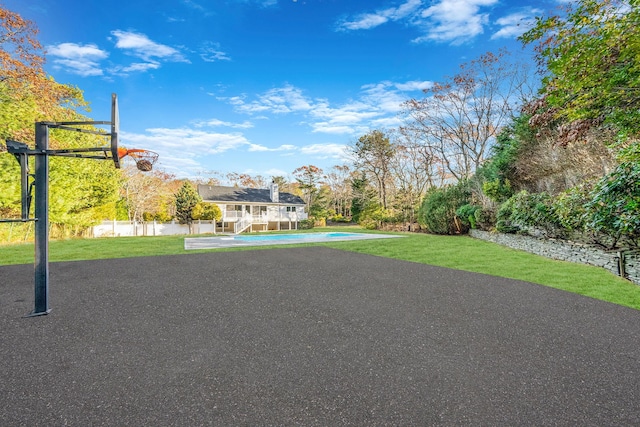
[309, 336]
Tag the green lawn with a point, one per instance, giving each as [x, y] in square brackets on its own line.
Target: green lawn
[459, 252]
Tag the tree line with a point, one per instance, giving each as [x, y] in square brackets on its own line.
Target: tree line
[498, 146]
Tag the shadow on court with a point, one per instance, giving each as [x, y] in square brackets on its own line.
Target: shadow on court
[309, 336]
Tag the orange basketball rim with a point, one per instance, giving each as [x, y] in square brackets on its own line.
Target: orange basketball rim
[145, 159]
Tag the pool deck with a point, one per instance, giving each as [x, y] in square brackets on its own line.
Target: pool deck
[309, 336]
[230, 241]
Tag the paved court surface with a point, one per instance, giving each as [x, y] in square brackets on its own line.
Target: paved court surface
[312, 337]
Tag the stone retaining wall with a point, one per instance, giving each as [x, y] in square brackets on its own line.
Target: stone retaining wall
[569, 251]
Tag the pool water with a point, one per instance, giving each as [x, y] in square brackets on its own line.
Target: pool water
[304, 236]
[276, 239]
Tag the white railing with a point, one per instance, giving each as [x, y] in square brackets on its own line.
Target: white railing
[242, 224]
[233, 214]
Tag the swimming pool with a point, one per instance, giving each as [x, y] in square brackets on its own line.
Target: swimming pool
[276, 239]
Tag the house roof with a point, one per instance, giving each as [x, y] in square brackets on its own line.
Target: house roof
[217, 193]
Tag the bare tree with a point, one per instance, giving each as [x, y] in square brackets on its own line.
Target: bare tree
[459, 119]
[339, 182]
[414, 170]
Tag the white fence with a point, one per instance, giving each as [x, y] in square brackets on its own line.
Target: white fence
[151, 228]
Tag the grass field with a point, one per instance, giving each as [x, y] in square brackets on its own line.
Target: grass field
[459, 252]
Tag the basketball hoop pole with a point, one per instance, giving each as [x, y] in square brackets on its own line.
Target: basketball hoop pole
[42, 222]
[41, 183]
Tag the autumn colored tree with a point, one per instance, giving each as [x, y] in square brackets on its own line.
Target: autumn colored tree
[147, 195]
[23, 81]
[83, 192]
[207, 211]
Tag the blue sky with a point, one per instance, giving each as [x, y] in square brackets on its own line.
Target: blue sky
[263, 86]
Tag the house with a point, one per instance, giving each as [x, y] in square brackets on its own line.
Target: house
[255, 209]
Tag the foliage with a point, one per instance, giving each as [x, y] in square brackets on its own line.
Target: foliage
[570, 208]
[27, 94]
[485, 217]
[373, 153]
[306, 224]
[186, 200]
[529, 213]
[373, 217]
[497, 190]
[363, 197]
[467, 215]
[590, 56]
[309, 180]
[614, 208]
[207, 211]
[438, 210]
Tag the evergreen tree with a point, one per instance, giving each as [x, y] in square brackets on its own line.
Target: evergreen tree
[186, 200]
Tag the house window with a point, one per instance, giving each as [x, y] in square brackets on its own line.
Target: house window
[291, 208]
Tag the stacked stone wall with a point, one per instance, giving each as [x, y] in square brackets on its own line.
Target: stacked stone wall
[570, 251]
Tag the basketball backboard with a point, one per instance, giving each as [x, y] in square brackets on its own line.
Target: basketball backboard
[115, 130]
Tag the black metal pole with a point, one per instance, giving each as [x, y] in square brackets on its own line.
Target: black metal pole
[42, 222]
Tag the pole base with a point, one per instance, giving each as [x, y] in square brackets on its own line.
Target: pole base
[39, 313]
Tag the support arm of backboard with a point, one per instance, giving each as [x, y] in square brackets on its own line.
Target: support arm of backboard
[21, 152]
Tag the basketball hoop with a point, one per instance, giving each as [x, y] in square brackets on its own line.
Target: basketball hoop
[144, 159]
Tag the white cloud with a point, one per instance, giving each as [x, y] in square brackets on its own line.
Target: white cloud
[137, 67]
[190, 142]
[367, 21]
[445, 21]
[516, 24]
[377, 106]
[221, 123]
[284, 147]
[454, 20]
[287, 99]
[141, 46]
[326, 151]
[210, 52]
[77, 58]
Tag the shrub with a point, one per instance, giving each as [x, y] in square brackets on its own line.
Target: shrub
[614, 209]
[527, 212]
[497, 190]
[467, 215]
[438, 210]
[306, 224]
[570, 208]
[485, 218]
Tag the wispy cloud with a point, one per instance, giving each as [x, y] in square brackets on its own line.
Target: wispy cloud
[282, 100]
[326, 151]
[444, 21]
[211, 52]
[366, 21]
[83, 60]
[284, 147]
[515, 24]
[141, 46]
[221, 123]
[377, 106]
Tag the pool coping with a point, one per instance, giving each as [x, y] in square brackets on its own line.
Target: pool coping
[229, 241]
